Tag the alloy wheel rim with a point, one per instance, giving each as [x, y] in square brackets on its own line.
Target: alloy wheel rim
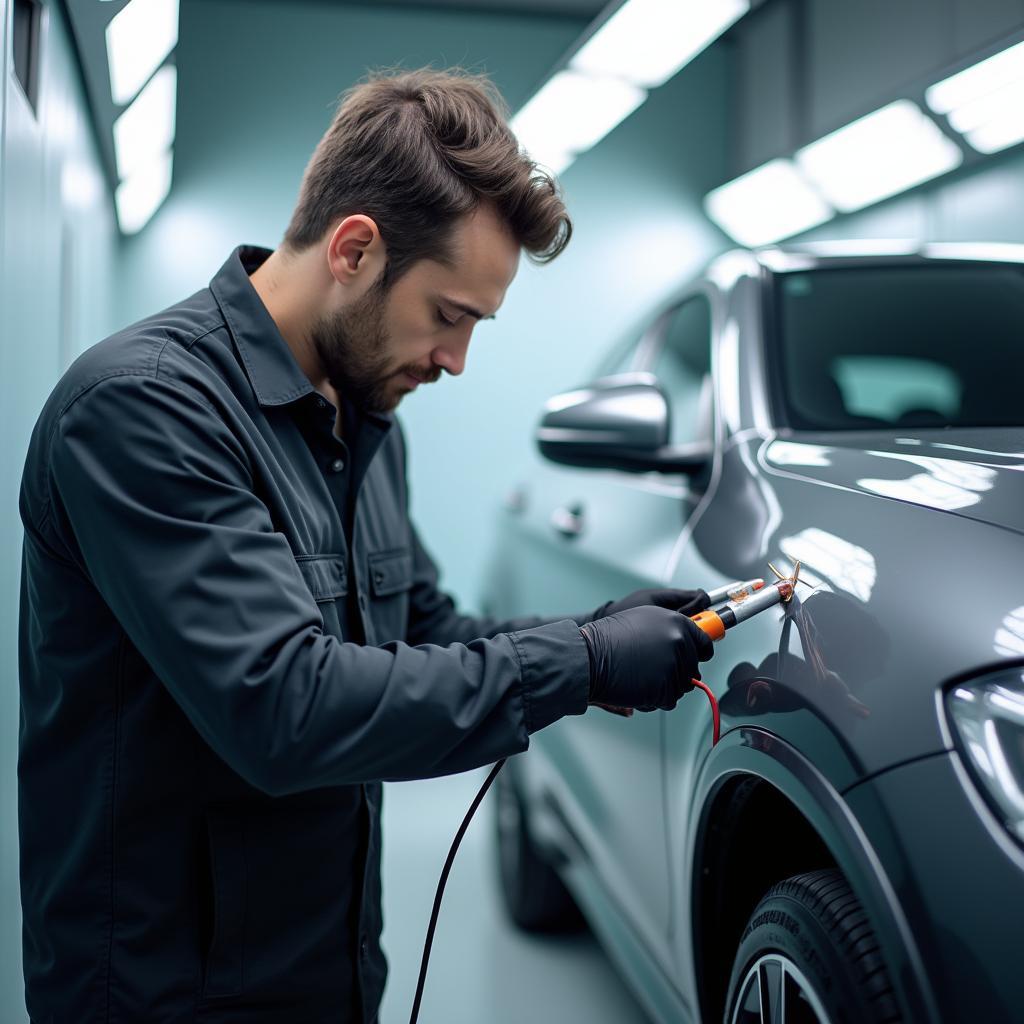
[776, 991]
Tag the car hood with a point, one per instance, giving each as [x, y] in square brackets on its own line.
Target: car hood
[976, 473]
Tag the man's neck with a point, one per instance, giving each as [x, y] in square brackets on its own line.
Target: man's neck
[290, 289]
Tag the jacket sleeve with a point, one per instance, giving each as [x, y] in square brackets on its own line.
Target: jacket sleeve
[156, 501]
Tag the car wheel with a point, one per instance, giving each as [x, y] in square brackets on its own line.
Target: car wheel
[808, 956]
[534, 895]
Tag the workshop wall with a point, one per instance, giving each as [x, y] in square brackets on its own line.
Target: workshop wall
[57, 243]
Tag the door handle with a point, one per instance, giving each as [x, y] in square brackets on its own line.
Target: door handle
[568, 520]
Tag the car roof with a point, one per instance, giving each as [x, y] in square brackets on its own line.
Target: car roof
[798, 256]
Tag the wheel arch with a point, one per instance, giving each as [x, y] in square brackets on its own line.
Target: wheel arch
[753, 788]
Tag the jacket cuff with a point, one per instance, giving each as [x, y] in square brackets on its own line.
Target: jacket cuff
[555, 668]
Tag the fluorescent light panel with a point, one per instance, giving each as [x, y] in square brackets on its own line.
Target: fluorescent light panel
[973, 83]
[877, 156]
[146, 128]
[573, 111]
[766, 204]
[997, 135]
[648, 41]
[985, 102]
[138, 198]
[1005, 104]
[139, 38]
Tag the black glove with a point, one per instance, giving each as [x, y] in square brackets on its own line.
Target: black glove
[687, 602]
[644, 657]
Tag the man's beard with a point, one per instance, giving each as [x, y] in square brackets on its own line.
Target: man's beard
[352, 346]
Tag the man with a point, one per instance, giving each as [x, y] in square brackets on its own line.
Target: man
[230, 631]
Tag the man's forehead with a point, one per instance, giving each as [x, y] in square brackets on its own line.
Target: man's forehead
[475, 286]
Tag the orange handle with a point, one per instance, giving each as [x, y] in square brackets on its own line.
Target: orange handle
[711, 623]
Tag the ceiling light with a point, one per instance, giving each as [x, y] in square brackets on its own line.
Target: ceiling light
[648, 41]
[139, 38]
[1003, 104]
[876, 156]
[766, 204]
[573, 111]
[138, 198]
[998, 134]
[983, 78]
[146, 128]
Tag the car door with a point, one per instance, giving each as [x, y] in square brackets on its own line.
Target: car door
[588, 536]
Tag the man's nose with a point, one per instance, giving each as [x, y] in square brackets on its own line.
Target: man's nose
[451, 356]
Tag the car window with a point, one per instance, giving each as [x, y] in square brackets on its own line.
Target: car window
[901, 346]
[683, 368]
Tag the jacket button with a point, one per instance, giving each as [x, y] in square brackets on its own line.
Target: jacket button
[337, 465]
[363, 947]
[378, 577]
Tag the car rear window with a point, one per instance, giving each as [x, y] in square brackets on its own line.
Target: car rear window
[902, 346]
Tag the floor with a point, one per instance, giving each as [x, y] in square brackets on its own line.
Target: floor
[481, 968]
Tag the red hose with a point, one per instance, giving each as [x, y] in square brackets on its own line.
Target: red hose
[714, 708]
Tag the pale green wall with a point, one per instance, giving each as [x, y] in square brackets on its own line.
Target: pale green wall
[57, 242]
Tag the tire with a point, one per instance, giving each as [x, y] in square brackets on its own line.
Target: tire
[534, 896]
[810, 936]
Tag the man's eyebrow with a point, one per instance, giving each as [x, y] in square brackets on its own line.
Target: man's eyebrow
[466, 309]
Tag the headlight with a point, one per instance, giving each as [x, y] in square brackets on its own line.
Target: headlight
[988, 718]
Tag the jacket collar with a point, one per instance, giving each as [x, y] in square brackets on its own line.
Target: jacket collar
[275, 376]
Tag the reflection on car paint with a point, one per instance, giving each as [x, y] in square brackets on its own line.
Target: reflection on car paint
[784, 682]
[1009, 639]
[848, 566]
[946, 485]
[792, 453]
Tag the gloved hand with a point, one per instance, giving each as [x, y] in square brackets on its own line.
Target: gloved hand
[687, 602]
[644, 657]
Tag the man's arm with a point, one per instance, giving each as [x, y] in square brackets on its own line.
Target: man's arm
[155, 497]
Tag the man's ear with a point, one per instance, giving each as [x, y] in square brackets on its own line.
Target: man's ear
[355, 252]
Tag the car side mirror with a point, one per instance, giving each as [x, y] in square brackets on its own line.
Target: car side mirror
[619, 422]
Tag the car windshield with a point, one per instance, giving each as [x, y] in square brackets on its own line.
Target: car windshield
[902, 346]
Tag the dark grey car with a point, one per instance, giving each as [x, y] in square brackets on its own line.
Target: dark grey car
[853, 847]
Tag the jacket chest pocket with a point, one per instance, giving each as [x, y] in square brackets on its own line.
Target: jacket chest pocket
[389, 574]
[326, 578]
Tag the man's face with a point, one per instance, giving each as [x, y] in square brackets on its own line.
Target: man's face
[378, 348]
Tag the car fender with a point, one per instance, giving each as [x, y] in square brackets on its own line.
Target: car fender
[761, 754]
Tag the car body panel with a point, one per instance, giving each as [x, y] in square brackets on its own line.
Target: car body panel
[956, 872]
[626, 540]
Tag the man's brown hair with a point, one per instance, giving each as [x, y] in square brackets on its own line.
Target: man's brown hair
[416, 150]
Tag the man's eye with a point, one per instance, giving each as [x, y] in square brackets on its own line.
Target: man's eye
[443, 319]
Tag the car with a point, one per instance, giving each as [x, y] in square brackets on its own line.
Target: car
[852, 848]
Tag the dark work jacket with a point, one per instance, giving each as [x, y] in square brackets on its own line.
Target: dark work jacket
[202, 746]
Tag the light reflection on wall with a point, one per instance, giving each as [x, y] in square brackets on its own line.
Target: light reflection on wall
[847, 566]
[1009, 639]
[945, 485]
